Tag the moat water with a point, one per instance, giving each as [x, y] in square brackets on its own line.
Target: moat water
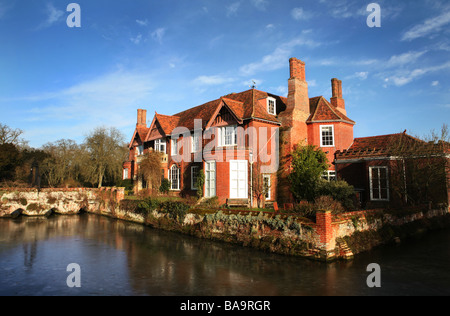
[122, 258]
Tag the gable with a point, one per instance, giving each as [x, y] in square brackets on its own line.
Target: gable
[322, 111]
[224, 117]
[156, 132]
[139, 136]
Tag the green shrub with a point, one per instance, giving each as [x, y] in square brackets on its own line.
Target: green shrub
[165, 186]
[127, 184]
[139, 206]
[308, 164]
[176, 210]
[339, 190]
[200, 183]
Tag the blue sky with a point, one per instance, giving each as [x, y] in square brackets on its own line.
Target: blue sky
[167, 56]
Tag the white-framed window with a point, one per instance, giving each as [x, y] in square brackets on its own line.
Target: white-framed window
[160, 145]
[195, 141]
[329, 175]
[267, 185]
[174, 146]
[140, 150]
[210, 179]
[272, 106]
[174, 175]
[228, 135]
[327, 136]
[379, 183]
[125, 174]
[194, 176]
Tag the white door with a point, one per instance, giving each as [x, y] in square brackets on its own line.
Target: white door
[238, 179]
[210, 179]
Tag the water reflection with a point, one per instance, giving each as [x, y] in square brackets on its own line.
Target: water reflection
[121, 258]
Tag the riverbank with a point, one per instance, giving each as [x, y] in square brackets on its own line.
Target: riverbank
[327, 238]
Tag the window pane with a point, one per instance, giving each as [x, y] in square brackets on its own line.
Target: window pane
[327, 135]
[383, 173]
[383, 194]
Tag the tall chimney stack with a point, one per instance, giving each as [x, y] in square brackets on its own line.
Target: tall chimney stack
[297, 108]
[294, 130]
[336, 98]
[141, 118]
[297, 87]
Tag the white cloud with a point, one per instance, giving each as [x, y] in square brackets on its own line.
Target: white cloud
[92, 99]
[273, 61]
[362, 75]
[212, 80]
[435, 83]
[281, 90]
[404, 59]
[136, 40]
[54, 15]
[142, 22]
[403, 77]
[300, 14]
[312, 83]
[233, 8]
[428, 27]
[158, 34]
[260, 4]
[278, 58]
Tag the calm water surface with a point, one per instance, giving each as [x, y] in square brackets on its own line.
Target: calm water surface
[121, 258]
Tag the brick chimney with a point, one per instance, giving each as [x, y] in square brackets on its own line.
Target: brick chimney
[141, 118]
[336, 98]
[298, 87]
[294, 130]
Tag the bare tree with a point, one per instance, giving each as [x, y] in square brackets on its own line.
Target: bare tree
[150, 169]
[260, 188]
[11, 136]
[106, 151]
[63, 163]
[419, 173]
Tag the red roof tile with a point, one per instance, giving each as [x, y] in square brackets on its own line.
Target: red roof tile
[381, 146]
[322, 110]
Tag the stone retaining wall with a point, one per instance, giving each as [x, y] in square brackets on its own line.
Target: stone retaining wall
[330, 237]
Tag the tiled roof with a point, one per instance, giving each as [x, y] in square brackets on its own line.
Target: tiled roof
[384, 146]
[322, 110]
[243, 105]
[249, 104]
[167, 123]
[140, 132]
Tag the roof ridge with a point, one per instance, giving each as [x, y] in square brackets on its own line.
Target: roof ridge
[384, 135]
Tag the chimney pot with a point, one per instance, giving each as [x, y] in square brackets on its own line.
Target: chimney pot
[141, 117]
[336, 88]
[297, 69]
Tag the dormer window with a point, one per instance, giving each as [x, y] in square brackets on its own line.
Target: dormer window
[160, 145]
[140, 150]
[271, 106]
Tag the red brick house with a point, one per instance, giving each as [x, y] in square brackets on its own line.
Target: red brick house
[229, 136]
[396, 169]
